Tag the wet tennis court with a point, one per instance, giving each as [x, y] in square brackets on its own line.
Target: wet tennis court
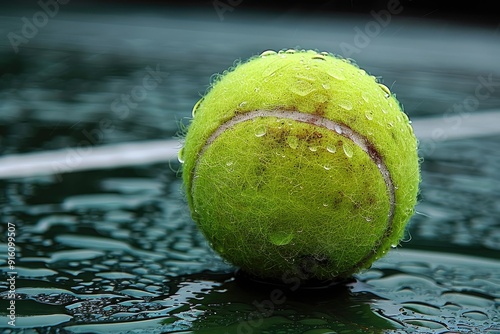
[92, 108]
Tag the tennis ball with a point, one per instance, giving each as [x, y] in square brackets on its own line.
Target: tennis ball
[300, 163]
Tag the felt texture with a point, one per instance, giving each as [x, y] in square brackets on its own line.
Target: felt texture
[300, 163]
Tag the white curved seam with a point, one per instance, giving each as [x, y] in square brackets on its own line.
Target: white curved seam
[323, 122]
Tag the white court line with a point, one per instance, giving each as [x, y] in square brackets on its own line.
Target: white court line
[94, 157]
[69, 160]
[457, 126]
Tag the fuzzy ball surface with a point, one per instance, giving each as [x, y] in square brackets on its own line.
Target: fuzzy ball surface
[300, 164]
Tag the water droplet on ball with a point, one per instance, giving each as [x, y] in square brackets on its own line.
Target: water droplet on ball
[260, 131]
[369, 114]
[319, 57]
[338, 129]
[280, 238]
[361, 72]
[272, 69]
[365, 97]
[305, 76]
[321, 98]
[336, 74]
[302, 87]
[267, 53]
[313, 148]
[243, 104]
[348, 150]
[385, 89]
[331, 148]
[180, 155]
[292, 141]
[347, 105]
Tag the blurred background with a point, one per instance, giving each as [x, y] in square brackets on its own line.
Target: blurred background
[93, 99]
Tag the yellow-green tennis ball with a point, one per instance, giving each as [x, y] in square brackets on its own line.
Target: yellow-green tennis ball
[300, 163]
